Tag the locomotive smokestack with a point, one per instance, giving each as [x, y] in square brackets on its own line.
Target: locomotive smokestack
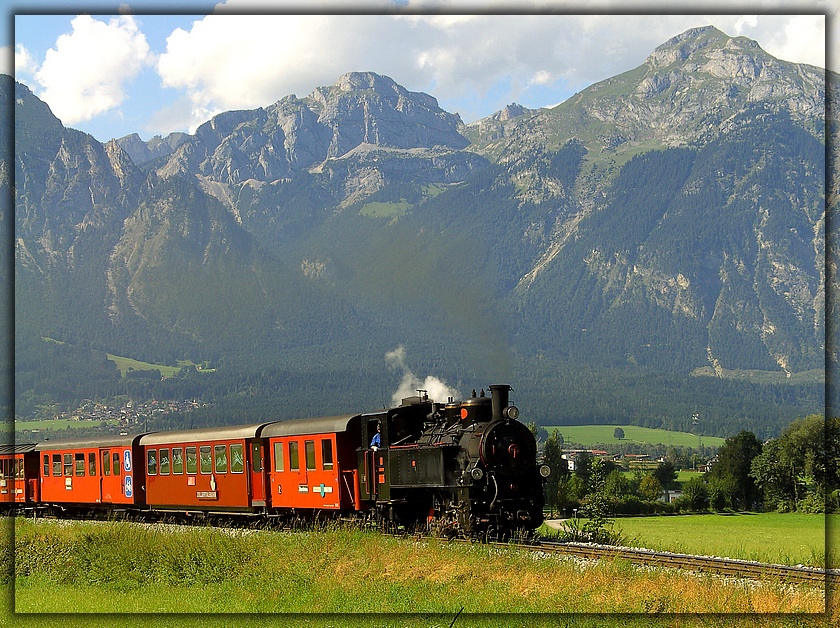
[500, 394]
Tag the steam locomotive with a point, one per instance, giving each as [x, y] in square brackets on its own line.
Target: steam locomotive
[459, 468]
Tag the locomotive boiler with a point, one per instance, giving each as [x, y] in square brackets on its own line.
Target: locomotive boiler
[465, 467]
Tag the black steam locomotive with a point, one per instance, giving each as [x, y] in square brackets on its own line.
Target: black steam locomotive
[468, 466]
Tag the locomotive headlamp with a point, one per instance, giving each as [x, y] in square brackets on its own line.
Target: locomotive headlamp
[545, 470]
[511, 412]
[477, 473]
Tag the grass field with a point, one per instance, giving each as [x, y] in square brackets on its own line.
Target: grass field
[385, 210]
[786, 539]
[589, 435]
[130, 364]
[109, 567]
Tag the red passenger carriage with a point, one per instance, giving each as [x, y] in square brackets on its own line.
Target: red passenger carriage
[217, 469]
[313, 463]
[100, 471]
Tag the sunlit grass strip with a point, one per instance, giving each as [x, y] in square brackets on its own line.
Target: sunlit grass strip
[782, 538]
[119, 567]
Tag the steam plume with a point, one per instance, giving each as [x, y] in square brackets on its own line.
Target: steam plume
[410, 383]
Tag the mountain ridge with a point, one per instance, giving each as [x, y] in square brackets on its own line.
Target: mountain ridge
[608, 231]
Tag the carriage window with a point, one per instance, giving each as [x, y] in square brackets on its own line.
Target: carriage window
[278, 457]
[80, 464]
[220, 458]
[206, 458]
[294, 463]
[19, 469]
[68, 464]
[56, 464]
[164, 461]
[115, 457]
[237, 458]
[192, 460]
[46, 464]
[326, 454]
[309, 446]
[151, 462]
[106, 462]
[178, 461]
[92, 463]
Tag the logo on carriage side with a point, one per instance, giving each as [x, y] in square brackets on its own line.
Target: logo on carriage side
[323, 489]
[128, 486]
[127, 460]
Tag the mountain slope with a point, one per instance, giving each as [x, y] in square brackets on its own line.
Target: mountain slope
[665, 222]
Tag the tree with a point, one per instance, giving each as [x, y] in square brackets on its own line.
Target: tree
[832, 464]
[618, 433]
[598, 527]
[553, 457]
[650, 489]
[733, 470]
[574, 489]
[666, 474]
[722, 492]
[617, 486]
[776, 476]
[796, 467]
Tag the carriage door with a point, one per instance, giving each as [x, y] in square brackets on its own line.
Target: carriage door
[257, 473]
[110, 478]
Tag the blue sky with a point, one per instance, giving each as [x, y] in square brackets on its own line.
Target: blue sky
[112, 74]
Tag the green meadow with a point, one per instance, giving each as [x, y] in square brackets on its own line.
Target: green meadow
[590, 435]
[130, 364]
[120, 567]
[778, 538]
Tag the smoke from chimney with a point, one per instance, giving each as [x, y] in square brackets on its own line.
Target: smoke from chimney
[410, 383]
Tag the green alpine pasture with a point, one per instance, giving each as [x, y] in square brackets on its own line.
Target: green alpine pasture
[590, 435]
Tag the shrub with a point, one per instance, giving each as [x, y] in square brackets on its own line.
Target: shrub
[812, 504]
[695, 494]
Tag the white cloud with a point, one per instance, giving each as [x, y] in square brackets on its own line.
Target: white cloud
[804, 40]
[24, 62]
[244, 61]
[85, 74]
[473, 64]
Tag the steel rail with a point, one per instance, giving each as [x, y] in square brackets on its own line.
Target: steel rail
[703, 564]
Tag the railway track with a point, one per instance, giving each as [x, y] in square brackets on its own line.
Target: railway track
[704, 564]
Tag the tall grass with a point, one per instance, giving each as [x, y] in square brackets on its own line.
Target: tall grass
[783, 538]
[123, 567]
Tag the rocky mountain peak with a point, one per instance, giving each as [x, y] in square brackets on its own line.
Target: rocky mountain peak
[296, 134]
[684, 45]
